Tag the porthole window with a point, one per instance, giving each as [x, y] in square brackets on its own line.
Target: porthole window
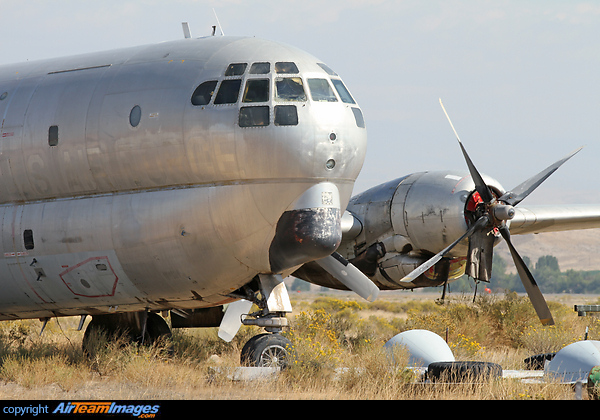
[53, 135]
[3, 96]
[135, 116]
[28, 239]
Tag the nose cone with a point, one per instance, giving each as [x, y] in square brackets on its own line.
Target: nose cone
[310, 230]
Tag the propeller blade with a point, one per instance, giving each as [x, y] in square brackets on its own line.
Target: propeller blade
[480, 185]
[232, 320]
[349, 276]
[520, 192]
[533, 291]
[479, 224]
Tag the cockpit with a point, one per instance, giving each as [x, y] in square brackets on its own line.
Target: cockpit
[261, 87]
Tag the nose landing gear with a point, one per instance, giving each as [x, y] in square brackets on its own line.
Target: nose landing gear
[267, 349]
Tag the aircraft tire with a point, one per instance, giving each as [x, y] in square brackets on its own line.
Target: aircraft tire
[537, 361]
[462, 371]
[267, 350]
[156, 328]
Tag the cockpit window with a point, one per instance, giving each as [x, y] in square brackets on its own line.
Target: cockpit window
[254, 116]
[228, 92]
[327, 69]
[260, 68]
[321, 91]
[236, 69]
[289, 89]
[203, 93]
[286, 67]
[257, 90]
[342, 91]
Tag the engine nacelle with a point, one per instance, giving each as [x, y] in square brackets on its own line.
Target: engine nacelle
[414, 218]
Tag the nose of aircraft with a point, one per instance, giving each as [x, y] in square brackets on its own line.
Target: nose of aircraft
[296, 126]
[310, 230]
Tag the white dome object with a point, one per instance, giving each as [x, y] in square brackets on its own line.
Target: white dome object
[424, 347]
[574, 362]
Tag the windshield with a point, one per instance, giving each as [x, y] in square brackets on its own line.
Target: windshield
[321, 91]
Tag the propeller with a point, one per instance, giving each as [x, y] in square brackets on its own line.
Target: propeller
[349, 276]
[492, 215]
[232, 319]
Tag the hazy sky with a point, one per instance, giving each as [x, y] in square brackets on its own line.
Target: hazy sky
[520, 79]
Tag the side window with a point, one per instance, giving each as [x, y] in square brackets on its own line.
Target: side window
[203, 93]
[342, 91]
[28, 239]
[229, 92]
[257, 90]
[327, 69]
[236, 69]
[358, 116]
[289, 89]
[321, 91]
[135, 116]
[53, 135]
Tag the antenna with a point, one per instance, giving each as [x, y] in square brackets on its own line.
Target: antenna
[186, 30]
[218, 23]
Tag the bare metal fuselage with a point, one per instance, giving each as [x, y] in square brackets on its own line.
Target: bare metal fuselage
[101, 214]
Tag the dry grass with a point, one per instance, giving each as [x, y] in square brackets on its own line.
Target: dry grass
[338, 341]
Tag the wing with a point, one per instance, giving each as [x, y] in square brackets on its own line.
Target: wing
[538, 219]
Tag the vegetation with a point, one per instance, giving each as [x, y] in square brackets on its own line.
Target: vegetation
[547, 274]
[338, 343]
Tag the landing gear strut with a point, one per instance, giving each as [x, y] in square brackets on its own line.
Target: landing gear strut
[267, 350]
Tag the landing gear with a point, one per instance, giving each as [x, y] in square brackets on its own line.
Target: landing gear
[146, 328]
[267, 350]
[263, 350]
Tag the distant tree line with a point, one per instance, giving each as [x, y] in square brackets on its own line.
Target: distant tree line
[547, 274]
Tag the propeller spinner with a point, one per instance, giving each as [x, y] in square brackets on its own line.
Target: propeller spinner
[492, 214]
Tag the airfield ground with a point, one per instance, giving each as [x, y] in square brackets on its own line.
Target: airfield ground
[330, 330]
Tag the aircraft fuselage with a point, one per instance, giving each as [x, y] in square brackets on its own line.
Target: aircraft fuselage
[156, 177]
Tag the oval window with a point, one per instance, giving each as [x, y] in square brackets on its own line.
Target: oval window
[135, 116]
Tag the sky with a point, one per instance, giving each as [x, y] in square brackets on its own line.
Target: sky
[519, 79]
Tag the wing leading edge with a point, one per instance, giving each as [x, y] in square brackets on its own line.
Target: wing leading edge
[551, 218]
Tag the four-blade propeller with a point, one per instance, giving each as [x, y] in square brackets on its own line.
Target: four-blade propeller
[493, 214]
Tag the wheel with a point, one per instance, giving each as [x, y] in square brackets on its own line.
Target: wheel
[158, 332]
[97, 335]
[538, 361]
[156, 328]
[462, 371]
[267, 350]
[104, 329]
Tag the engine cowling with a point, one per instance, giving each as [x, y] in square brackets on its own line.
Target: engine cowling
[413, 218]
